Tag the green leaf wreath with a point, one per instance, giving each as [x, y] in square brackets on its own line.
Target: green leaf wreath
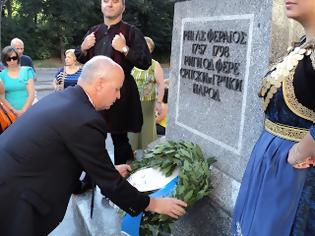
[194, 178]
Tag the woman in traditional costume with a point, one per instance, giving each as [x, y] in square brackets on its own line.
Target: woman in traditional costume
[277, 195]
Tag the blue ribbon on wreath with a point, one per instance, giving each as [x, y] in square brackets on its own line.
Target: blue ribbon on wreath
[131, 225]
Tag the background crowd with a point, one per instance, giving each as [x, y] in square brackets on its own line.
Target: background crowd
[101, 98]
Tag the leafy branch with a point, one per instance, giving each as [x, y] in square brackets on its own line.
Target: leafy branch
[194, 178]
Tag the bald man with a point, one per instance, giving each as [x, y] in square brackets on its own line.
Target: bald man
[41, 161]
[25, 60]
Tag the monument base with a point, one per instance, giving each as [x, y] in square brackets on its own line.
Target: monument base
[105, 219]
[204, 218]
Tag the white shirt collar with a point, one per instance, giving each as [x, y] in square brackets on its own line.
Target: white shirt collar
[90, 100]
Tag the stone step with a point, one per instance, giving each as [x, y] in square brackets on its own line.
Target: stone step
[204, 219]
[105, 222]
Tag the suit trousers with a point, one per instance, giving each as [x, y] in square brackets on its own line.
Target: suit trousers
[122, 148]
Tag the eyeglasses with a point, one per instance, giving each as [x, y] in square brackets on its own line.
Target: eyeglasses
[12, 58]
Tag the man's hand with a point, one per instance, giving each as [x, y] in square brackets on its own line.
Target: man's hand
[119, 42]
[167, 206]
[88, 42]
[123, 169]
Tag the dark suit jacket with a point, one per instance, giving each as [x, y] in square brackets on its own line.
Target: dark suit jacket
[27, 61]
[41, 157]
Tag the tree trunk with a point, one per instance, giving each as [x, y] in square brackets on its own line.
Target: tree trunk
[2, 3]
[35, 18]
[62, 48]
[9, 7]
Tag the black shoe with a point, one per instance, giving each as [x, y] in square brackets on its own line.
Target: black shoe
[82, 187]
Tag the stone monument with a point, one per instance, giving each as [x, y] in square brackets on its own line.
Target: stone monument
[220, 51]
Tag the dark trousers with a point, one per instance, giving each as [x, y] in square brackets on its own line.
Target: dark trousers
[160, 130]
[122, 149]
[122, 153]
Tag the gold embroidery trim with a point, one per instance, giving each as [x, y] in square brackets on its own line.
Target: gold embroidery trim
[274, 79]
[292, 102]
[284, 131]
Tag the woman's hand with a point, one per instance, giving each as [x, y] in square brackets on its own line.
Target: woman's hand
[161, 115]
[295, 155]
[18, 113]
[300, 158]
[58, 84]
[309, 162]
[158, 107]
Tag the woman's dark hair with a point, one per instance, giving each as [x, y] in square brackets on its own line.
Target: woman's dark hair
[6, 54]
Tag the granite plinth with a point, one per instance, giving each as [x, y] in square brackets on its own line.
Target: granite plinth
[221, 50]
[105, 222]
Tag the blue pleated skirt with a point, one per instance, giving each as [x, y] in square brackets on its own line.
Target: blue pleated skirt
[275, 199]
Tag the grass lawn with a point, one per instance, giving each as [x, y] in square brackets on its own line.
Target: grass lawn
[56, 62]
[48, 63]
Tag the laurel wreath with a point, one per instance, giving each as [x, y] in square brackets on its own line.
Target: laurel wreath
[194, 178]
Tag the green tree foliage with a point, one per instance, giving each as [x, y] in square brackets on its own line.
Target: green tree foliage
[154, 18]
[67, 21]
[22, 23]
[2, 3]
[48, 27]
